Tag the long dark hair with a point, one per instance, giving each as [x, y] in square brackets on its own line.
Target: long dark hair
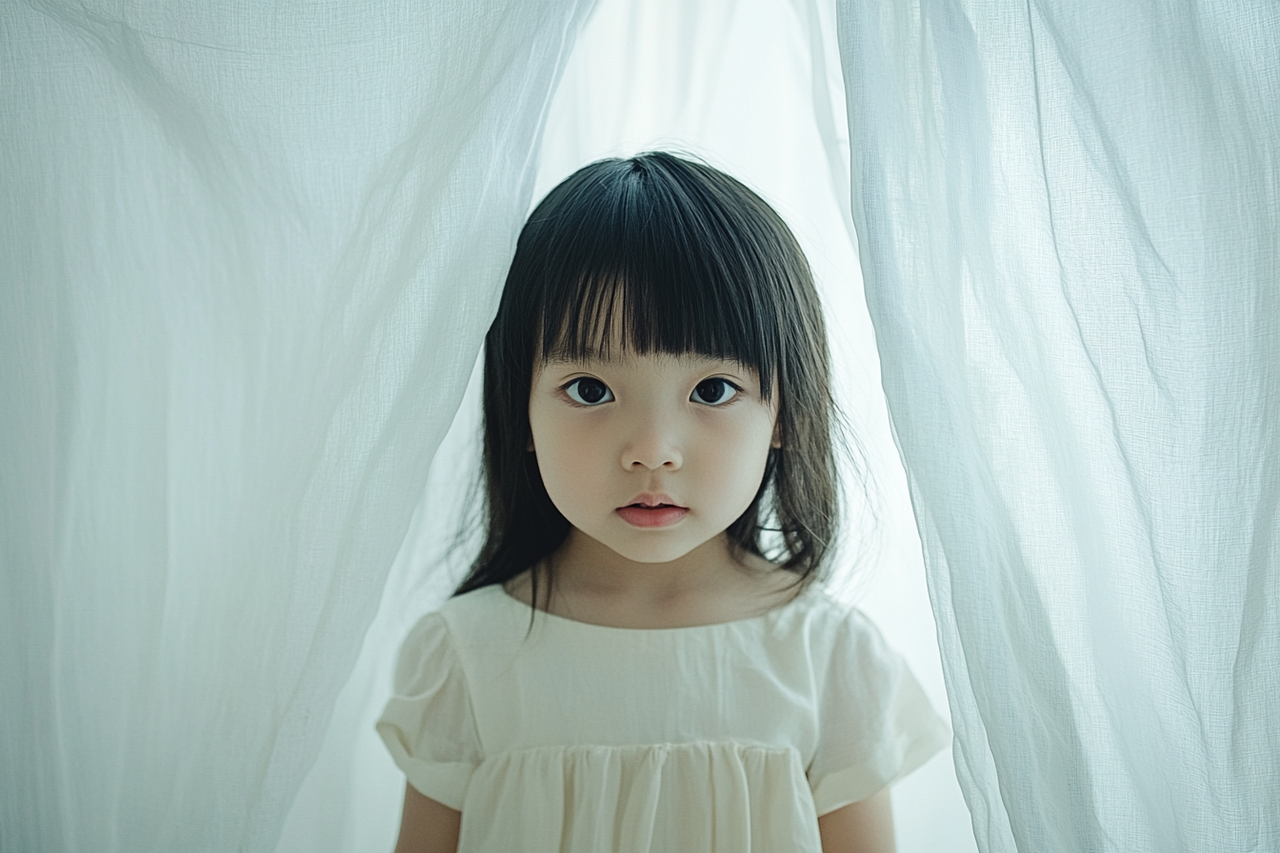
[689, 260]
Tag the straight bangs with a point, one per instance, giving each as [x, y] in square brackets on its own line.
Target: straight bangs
[657, 264]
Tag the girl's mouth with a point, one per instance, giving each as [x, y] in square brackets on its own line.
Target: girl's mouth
[661, 515]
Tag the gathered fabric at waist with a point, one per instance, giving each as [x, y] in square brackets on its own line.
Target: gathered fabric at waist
[719, 797]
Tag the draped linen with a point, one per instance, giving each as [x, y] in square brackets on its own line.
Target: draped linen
[1068, 214]
[247, 255]
[754, 87]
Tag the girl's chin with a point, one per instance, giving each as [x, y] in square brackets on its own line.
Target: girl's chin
[652, 545]
[643, 546]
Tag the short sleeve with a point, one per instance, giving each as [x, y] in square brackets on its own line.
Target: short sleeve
[875, 724]
[428, 724]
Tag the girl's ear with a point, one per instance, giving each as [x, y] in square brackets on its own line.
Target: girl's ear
[776, 443]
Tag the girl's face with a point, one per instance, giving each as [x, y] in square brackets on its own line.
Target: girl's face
[651, 455]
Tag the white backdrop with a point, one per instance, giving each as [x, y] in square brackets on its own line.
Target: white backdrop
[753, 87]
[247, 254]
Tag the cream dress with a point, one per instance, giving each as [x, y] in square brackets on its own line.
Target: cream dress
[580, 738]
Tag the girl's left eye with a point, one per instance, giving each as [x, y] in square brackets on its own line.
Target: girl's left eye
[714, 392]
[588, 392]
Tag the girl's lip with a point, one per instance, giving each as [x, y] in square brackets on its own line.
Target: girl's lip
[663, 515]
[649, 500]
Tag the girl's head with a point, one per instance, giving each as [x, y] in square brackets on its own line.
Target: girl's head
[672, 268]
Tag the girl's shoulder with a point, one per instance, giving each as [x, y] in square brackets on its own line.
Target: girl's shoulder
[437, 633]
[489, 623]
[489, 608]
[828, 624]
[821, 610]
[482, 612]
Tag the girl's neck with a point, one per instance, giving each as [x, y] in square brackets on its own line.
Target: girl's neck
[582, 563]
[594, 584]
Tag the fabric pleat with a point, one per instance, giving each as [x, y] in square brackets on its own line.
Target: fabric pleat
[248, 253]
[622, 799]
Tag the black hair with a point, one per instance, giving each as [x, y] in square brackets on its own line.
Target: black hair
[688, 260]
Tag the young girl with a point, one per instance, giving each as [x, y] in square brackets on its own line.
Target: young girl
[641, 658]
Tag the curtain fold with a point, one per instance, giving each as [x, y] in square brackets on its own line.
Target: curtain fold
[754, 87]
[1068, 215]
[247, 256]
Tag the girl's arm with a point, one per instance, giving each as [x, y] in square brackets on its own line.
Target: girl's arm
[862, 827]
[427, 826]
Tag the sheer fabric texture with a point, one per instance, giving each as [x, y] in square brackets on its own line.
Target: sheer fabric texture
[247, 255]
[754, 87]
[1068, 214]
[248, 252]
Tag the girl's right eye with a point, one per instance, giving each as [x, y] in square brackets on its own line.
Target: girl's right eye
[588, 392]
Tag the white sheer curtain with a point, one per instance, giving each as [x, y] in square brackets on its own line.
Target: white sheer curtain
[753, 86]
[247, 255]
[1069, 215]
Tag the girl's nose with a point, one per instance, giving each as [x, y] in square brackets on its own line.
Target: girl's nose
[652, 446]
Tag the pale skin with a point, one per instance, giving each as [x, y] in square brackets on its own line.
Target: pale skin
[695, 431]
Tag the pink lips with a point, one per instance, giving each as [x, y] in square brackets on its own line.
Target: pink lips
[652, 511]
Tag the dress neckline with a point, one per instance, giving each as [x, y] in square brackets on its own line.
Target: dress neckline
[771, 613]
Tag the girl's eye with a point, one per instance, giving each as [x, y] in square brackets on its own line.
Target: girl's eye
[588, 392]
[714, 392]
